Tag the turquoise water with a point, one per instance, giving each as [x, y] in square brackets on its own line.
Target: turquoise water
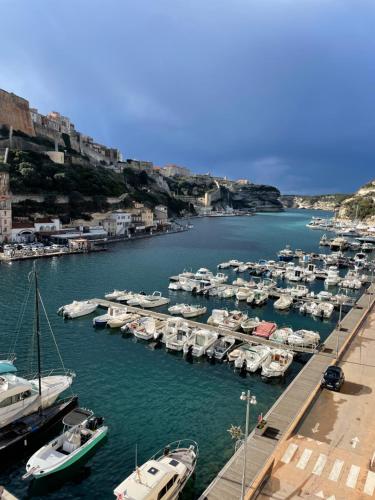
[149, 397]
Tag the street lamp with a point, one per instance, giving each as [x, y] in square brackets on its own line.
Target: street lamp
[341, 301]
[250, 400]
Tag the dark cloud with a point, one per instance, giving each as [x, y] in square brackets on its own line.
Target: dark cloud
[278, 91]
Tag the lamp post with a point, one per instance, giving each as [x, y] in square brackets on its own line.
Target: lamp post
[250, 400]
[341, 300]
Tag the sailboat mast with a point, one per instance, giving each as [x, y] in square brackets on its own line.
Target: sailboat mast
[37, 327]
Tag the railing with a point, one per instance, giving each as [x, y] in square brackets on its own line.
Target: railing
[176, 445]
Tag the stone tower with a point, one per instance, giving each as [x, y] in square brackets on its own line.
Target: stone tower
[5, 205]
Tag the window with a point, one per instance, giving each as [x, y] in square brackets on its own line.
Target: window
[162, 492]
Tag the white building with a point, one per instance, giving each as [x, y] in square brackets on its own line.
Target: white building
[24, 232]
[118, 223]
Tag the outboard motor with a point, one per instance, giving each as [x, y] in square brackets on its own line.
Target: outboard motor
[94, 423]
[243, 369]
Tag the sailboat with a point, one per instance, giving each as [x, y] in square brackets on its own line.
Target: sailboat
[29, 405]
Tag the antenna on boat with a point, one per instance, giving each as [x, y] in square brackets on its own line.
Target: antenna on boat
[37, 327]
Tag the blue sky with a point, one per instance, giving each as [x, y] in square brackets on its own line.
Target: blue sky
[277, 91]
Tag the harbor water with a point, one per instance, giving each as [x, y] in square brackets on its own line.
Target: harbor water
[149, 397]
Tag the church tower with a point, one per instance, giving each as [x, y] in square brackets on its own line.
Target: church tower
[5, 205]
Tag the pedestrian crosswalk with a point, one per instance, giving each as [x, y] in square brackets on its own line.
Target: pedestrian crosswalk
[335, 470]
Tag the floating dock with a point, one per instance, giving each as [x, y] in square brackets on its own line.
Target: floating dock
[243, 337]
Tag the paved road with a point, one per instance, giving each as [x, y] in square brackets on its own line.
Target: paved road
[329, 456]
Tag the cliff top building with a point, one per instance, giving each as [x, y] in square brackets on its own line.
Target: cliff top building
[172, 170]
[15, 112]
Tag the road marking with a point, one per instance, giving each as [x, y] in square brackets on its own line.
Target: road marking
[289, 454]
[320, 494]
[320, 464]
[369, 484]
[351, 480]
[305, 457]
[332, 497]
[336, 470]
[316, 428]
[354, 442]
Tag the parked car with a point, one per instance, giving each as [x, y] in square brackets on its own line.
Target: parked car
[333, 378]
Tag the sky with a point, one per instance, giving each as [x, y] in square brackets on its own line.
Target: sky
[280, 92]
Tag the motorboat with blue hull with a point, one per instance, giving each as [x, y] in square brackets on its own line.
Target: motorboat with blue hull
[26, 434]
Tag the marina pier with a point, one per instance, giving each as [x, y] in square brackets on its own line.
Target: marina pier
[287, 412]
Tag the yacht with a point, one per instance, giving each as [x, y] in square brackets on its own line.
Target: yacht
[249, 324]
[220, 349]
[252, 357]
[77, 309]
[333, 277]
[277, 363]
[112, 312]
[199, 342]
[82, 432]
[193, 311]
[154, 300]
[284, 302]
[164, 476]
[115, 294]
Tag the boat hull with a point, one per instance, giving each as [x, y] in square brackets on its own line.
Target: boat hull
[18, 438]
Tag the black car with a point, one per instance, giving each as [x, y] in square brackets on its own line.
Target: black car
[333, 378]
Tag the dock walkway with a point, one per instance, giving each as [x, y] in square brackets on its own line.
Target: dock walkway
[243, 337]
[287, 411]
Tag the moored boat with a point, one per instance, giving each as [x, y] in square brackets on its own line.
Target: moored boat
[277, 363]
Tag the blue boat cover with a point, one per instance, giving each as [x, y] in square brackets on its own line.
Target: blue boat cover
[7, 367]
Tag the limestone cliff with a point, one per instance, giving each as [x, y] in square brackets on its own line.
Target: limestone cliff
[319, 202]
[361, 204]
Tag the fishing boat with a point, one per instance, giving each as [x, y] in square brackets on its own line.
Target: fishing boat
[252, 357]
[249, 324]
[77, 309]
[112, 312]
[154, 300]
[277, 363]
[198, 343]
[265, 329]
[284, 302]
[82, 432]
[193, 311]
[220, 349]
[29, 405]
[164, 476]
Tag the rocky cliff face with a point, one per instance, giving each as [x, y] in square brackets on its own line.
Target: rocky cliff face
[361, 205]
[319, 202]
[258, 197]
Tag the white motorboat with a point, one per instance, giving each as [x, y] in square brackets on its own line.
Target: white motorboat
[203, 274]
[351, 283]
[154, 300]
[298, 291]
[281, 335]
[235, 263]
[122, 319]
[333, 277]
[163, 476]
[323, 310]
[174, 285]
[134, 299]
[304, 338]
[223, 265]
[243, 293]
[323, 295]
[227, 292]
[170, 328]
[260, 297]
[193, 311]
[277, 363]
[284, 302]
[112, 312]
[77, 309]
[177, 341]
[82, 432]
[295, 274]
[252, 357]
[198, 343]
[307, 307]
[249, 324]
[115, 294]
[222, 318]
[145, 328]
[242, 268]
[177, 308]
[220, 349]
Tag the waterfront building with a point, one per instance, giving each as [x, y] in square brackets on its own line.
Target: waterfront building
[25, 231]
[118, 223]
[5, 205]
[161, 214]
[142, 217]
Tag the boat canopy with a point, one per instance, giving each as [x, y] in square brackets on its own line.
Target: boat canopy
[77, 416]
[7, 367]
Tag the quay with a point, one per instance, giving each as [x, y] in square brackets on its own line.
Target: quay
[243, 337]
[286, 413]
[5, 495]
